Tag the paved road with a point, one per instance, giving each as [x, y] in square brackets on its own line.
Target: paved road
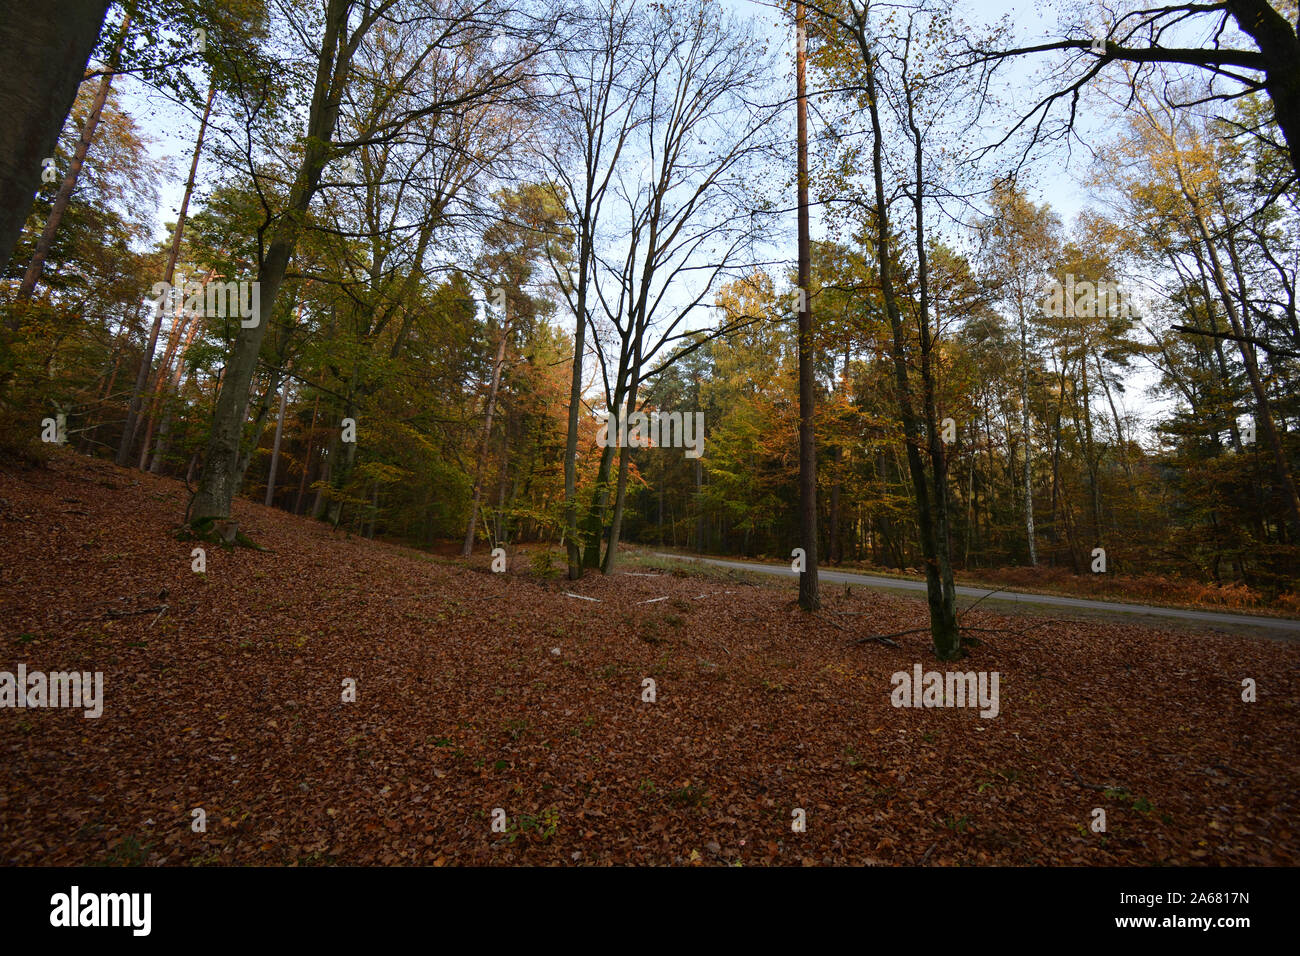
[1014, 597]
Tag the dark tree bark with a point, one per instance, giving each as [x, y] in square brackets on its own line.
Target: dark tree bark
[44, 47]
[931, 503]
[64, 196]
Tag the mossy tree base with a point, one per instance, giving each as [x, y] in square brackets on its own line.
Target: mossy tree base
[219, 531]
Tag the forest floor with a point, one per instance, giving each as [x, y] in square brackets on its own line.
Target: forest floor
[477, 691]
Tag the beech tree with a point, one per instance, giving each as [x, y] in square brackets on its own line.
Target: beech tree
[432, 27]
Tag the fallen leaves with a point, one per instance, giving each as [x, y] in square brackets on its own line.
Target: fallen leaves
[231, 702]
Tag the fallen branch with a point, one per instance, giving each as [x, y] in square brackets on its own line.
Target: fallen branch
[876, 640]
[1094, 786]
[148, 610]
[885, 638]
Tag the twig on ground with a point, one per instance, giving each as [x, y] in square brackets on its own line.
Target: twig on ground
[977, 603]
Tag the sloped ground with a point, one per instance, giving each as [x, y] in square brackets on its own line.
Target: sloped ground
[478, 691]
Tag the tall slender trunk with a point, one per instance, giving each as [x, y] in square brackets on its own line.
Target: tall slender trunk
[275, 449]
[699, 507]
[180, 327]
[1024, 431]
[620, 494]
[809, 596]
[326, 473]
[343, 456]
[165, 429]
[930, 511]
[572, 540]
[940, 587]
[263, 411]
[146, 362]
[154, 401]
[468, 548]
[306, 460]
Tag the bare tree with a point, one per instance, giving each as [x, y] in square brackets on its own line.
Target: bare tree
[591, 118]
[687, 211]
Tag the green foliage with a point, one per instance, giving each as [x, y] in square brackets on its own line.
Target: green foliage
[542, 825]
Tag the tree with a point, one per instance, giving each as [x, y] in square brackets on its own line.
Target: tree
[1020, 241]
[592, 117]
[431, 29]
[689, 209]
[920, 426]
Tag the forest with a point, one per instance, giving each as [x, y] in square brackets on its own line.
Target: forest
[462, 235]
[957, 294]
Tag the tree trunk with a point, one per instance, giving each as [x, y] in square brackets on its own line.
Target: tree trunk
[809, 597]
[306, 460]
[164, 430]
[572, 540]
[931, 520]
[1278, 44]
[69, 183]
[341, 467]
[275, 449]
[620, 495]
[1024, 430]
[148, 420]
[468, 548]
[44, 47]
[218, 485]
[146, 363]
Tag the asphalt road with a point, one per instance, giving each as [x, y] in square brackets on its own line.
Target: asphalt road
[1285, 625]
